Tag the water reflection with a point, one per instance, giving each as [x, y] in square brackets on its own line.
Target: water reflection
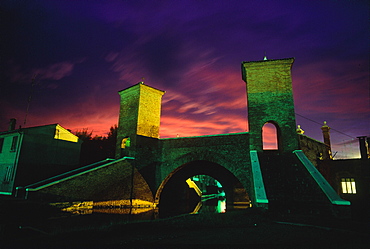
[204, 207]
[102, 214]
[122, 210]
[214, 204]
[199, 194]
[134, 206]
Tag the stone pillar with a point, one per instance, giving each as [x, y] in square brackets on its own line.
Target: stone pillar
[270, 99]
[140, 111]
[326, 135]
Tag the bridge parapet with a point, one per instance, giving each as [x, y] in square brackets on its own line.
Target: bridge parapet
[258, 184]
[112, 180]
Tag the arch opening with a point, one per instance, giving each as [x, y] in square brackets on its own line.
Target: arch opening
[218, 190]
[270, 136]
[211, 193]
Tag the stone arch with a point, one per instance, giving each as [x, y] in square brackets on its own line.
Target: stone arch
[241, 173]
[277, 134]
[237, 190]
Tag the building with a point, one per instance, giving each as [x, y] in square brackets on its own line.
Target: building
[28, 155]
[350, 178]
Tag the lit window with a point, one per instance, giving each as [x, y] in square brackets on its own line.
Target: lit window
[348, 186]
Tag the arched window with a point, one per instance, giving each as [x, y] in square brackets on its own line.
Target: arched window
[269, 137]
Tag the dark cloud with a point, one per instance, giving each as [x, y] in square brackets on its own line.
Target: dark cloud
[161, 57]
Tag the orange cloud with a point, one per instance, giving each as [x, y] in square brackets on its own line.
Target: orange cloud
[216, 124]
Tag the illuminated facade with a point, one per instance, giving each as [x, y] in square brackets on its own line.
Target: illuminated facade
[140, 111]
[32, 154]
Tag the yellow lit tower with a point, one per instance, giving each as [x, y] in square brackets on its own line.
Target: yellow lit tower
[140, 111]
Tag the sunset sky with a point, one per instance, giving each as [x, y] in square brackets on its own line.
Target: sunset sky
[84, 52]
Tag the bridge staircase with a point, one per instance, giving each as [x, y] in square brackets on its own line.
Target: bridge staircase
[22, 191]
[105, 180]
[290, 187]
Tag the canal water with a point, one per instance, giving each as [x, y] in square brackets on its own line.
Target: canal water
[145, 210]
[209, 198]
[85, 215]
[198, 194]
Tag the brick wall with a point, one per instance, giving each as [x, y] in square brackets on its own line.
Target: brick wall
[270, 99]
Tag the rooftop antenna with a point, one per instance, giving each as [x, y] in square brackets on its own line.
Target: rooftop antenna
[30, 98]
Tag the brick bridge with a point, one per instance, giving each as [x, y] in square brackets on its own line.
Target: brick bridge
[157, 169]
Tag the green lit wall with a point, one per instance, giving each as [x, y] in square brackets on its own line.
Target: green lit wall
[270, 99]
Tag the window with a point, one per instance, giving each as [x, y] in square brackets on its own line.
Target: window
[269, 137]
[9, 174]
[14, 144]
[1, 144]
[348, 186]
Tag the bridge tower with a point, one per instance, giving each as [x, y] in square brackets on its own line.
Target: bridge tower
[140, 111]
[270, 100]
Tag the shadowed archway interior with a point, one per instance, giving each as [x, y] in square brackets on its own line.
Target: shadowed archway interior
[176, 196]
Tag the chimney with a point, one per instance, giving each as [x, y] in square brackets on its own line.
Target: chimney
[12, 124]
[326, 134]
[364, 150]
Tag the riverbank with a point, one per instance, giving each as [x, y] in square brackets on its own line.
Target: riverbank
[238, 229]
